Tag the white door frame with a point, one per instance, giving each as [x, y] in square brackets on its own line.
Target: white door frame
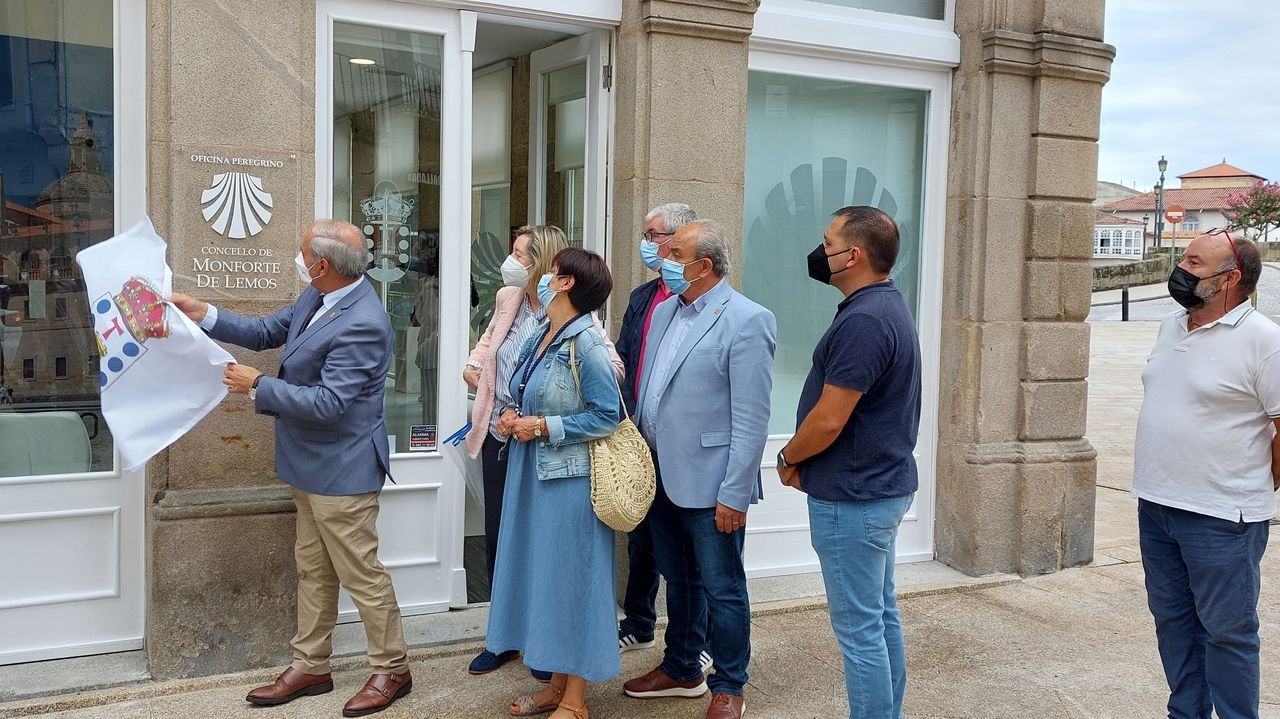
[771, 55]
[421, 472]
[120, 495]
[592, 48]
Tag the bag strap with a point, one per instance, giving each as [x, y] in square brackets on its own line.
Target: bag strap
[577, 382]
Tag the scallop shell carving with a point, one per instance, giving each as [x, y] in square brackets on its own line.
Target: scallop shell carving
[236, 205]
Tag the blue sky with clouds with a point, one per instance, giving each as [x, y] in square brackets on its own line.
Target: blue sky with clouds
[1195, 81]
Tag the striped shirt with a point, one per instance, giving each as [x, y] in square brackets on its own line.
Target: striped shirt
[525, 324]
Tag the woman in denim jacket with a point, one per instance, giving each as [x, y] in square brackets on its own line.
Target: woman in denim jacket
[553, 592]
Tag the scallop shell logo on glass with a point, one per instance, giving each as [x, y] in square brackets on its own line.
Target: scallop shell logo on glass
[235, 205]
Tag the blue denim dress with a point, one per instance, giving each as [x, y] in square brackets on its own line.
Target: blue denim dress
[553, 582]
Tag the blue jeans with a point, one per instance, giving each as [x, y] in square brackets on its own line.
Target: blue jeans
[855, 545]
[1203, 577]
[640, 601]
[706, 591]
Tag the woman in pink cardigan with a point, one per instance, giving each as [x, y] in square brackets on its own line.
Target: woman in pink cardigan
[517, 315]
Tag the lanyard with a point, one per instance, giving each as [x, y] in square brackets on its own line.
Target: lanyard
[531, 363]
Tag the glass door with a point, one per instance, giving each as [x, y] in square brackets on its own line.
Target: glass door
[391, 114]
[568, 134]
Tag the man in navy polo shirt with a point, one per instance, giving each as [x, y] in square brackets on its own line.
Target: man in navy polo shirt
[858, 418]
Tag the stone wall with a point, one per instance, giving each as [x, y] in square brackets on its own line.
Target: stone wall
[1133, 274]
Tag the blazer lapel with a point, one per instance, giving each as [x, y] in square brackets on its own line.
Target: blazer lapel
[705, 321]
[324, 317]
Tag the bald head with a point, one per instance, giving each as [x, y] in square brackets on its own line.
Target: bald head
[1219, 251]
[339, 242]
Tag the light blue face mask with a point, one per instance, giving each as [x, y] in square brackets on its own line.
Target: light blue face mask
[673, 275]
[545, 293]
[649, 255]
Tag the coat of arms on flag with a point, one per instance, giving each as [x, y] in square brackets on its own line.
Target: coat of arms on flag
[123, 324]
[159, 373]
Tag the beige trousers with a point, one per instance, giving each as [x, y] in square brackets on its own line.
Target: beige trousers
[338, 544]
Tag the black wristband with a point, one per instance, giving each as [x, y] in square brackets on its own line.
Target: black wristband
[256, 380]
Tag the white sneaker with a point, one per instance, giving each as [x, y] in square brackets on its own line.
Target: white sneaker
[628, 642]
[704, 660]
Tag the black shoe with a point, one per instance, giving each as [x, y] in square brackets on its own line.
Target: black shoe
[487, 661]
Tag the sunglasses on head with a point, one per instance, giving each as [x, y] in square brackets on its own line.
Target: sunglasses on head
[1227, 234]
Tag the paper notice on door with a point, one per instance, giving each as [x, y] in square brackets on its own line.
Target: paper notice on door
[422, 438]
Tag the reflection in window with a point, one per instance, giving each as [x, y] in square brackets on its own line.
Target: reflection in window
[846, 144]
[931, 9]
[56, 198]
[566, 143]
[386, 180]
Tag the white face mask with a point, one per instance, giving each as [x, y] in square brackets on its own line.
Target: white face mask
[304, 272]
[514, 274]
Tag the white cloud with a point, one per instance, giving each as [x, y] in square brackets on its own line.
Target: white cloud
[1193, 84]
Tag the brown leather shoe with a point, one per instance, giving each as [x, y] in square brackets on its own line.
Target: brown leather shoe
[380, 692]
[726, 706]
[290, 685]
[657, 684]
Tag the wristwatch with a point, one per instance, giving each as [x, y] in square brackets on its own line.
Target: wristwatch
[782, 461]
[537, 427]
[253, 388]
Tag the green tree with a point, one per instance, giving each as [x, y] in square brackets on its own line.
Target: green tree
[1255, 210]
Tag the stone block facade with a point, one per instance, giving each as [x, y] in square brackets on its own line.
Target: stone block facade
[1018, 497]
[1014, 472]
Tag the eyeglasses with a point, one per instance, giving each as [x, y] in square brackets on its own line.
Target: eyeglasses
[1227, 234]
[649, 236]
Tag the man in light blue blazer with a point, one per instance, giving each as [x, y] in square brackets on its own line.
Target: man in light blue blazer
[703, 406]
[332, 450]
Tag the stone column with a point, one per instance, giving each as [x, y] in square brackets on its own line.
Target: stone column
[231, 79]
[680, 133]
[680, 126]
[1015, 473]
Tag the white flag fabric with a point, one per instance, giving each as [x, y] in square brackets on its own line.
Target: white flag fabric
[159, 374]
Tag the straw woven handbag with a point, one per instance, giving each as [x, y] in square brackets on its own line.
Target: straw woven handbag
[623, 480]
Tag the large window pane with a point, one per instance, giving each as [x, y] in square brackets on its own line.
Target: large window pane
[56, 198]
[814, 146]
[386, 176]
[932, 9]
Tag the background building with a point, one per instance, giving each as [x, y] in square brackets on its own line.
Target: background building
[1118, 239]
[437, 127]
[1203, 194]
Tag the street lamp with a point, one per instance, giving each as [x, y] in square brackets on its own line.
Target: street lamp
[1163, 164]
[1145, 218]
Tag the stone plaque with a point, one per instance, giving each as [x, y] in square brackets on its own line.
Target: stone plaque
[236, 226]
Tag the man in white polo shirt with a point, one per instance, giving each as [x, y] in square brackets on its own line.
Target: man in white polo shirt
[1205, 471]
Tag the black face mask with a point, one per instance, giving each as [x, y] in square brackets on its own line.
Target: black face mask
[819, 269]
[1183, 284]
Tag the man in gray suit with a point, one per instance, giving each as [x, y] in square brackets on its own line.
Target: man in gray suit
[703, 406]
[331, 448]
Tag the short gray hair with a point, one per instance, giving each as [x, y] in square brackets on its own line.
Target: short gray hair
[674, 215]
[713, 244]
[342, 244]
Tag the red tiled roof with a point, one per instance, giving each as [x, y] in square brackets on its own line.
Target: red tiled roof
[1222, 169]
[1106, 218]
[1207, 198]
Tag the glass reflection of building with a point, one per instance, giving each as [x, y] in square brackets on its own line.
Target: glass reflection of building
[56, 197]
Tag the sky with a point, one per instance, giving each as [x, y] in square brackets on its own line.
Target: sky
[1194, 81]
